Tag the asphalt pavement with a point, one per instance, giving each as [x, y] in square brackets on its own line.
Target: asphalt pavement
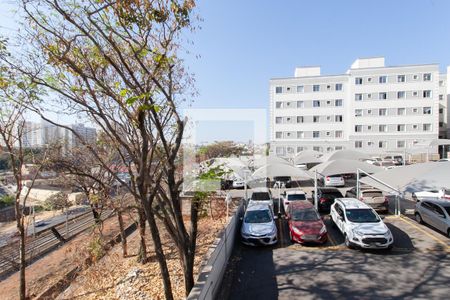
[418, 266]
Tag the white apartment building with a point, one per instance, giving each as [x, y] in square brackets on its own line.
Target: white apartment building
[371, 108]
[37, 135]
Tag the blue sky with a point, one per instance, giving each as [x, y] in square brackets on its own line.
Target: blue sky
[242, 44]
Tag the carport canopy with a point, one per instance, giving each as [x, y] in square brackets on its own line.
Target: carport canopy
[346, 154]
[344, 166]
[276, 170]
[413, 178]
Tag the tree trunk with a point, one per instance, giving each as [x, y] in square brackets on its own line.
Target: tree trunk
[160, 256]
[189, 255]
[142, 256]
[21, 229]
[123, 238]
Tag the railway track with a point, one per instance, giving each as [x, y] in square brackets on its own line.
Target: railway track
[44, 242]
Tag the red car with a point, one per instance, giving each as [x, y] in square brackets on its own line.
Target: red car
[305, 224]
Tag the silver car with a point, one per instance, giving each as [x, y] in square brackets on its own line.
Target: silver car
[258, 225]
[435, 213]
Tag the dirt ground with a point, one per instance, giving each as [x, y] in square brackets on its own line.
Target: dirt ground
[49, 269]
[114, 277]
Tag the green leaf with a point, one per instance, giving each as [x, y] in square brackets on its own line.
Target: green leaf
[123, 92]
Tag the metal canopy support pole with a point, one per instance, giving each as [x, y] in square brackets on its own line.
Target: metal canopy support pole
[245, 185]
[34, 222]
[279, 197]
[316, 204]
[357, 183]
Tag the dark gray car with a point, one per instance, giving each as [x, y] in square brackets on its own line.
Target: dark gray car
[435, 213]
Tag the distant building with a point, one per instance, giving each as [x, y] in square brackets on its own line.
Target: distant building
[372, 108]
[37, 135]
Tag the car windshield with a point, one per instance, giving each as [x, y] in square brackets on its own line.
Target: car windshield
[304, 215]
[447, 209]
[372, 194]
[332, 195]
[296, 197]
[257, 216]
[361, 216]
[260, 196]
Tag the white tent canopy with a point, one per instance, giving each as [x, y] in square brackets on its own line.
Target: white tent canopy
[346, 154]
[275, 170]
[308, 156]
[266, 160]
[413, 178]
[344, 166]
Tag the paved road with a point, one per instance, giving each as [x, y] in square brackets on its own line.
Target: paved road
[417, 267]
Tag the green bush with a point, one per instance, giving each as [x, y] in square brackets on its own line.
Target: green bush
[6, 201]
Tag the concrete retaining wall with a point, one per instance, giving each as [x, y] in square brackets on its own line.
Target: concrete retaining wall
[213, 269]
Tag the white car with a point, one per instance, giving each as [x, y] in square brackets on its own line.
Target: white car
[334, 180]
[258, 225]
[291, 196]
[443, 194]
[238, 184]
[361, 226]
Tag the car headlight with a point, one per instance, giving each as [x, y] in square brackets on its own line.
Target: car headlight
[323, 230]
[388, 233]
[296, 230]
[357, 232]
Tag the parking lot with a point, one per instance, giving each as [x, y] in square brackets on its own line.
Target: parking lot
[418, 266]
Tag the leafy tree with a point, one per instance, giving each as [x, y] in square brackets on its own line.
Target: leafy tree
[220, 149]
[116, 62]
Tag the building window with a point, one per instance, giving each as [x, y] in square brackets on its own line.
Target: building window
[278, 89]
[427, 110]
[441, 82]
[441, 110]
[328, 87]
[316, 119]
[369, 79]
[401, 78]
[317, 148]
[358, 97]
[427, 94]
[278, 120]
[316, 134]
[300, 88]
[288, 119]
[328, 102]
[316, 103]
[290, 150]
[328, 133]
[369, 96]
[299, 119]
[383, 96]
[328, 118]
[441, 124]
[358, 128]
[338, 134]
[427, 77]
[441, 97]
[426, 127]
[400, 144]
[401, 127]
[381, 144]
[382, 79]
[415, 110]
[338, 118]
[280, 151]
[338, 148]
[415, 93]
[300, 134]
[278, 104]
[370, 143]
[288, 89]
[358, 80]
[278, 134]
[338, 102]
[299, 149]
[415, 77]
[400, 94]
[358, 112]
[288, 134]
[288, 103]
[382, 128]
[338, 86]
[415, 126]
[300, 104]
[316, 88]
[358, 144]
[382, 112]
[401, 111]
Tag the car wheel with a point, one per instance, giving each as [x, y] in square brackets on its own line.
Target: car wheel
[332, 223]
[347, 242]
[418, 218]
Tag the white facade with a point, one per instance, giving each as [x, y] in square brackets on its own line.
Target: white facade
[37, 135]
[372, 108]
